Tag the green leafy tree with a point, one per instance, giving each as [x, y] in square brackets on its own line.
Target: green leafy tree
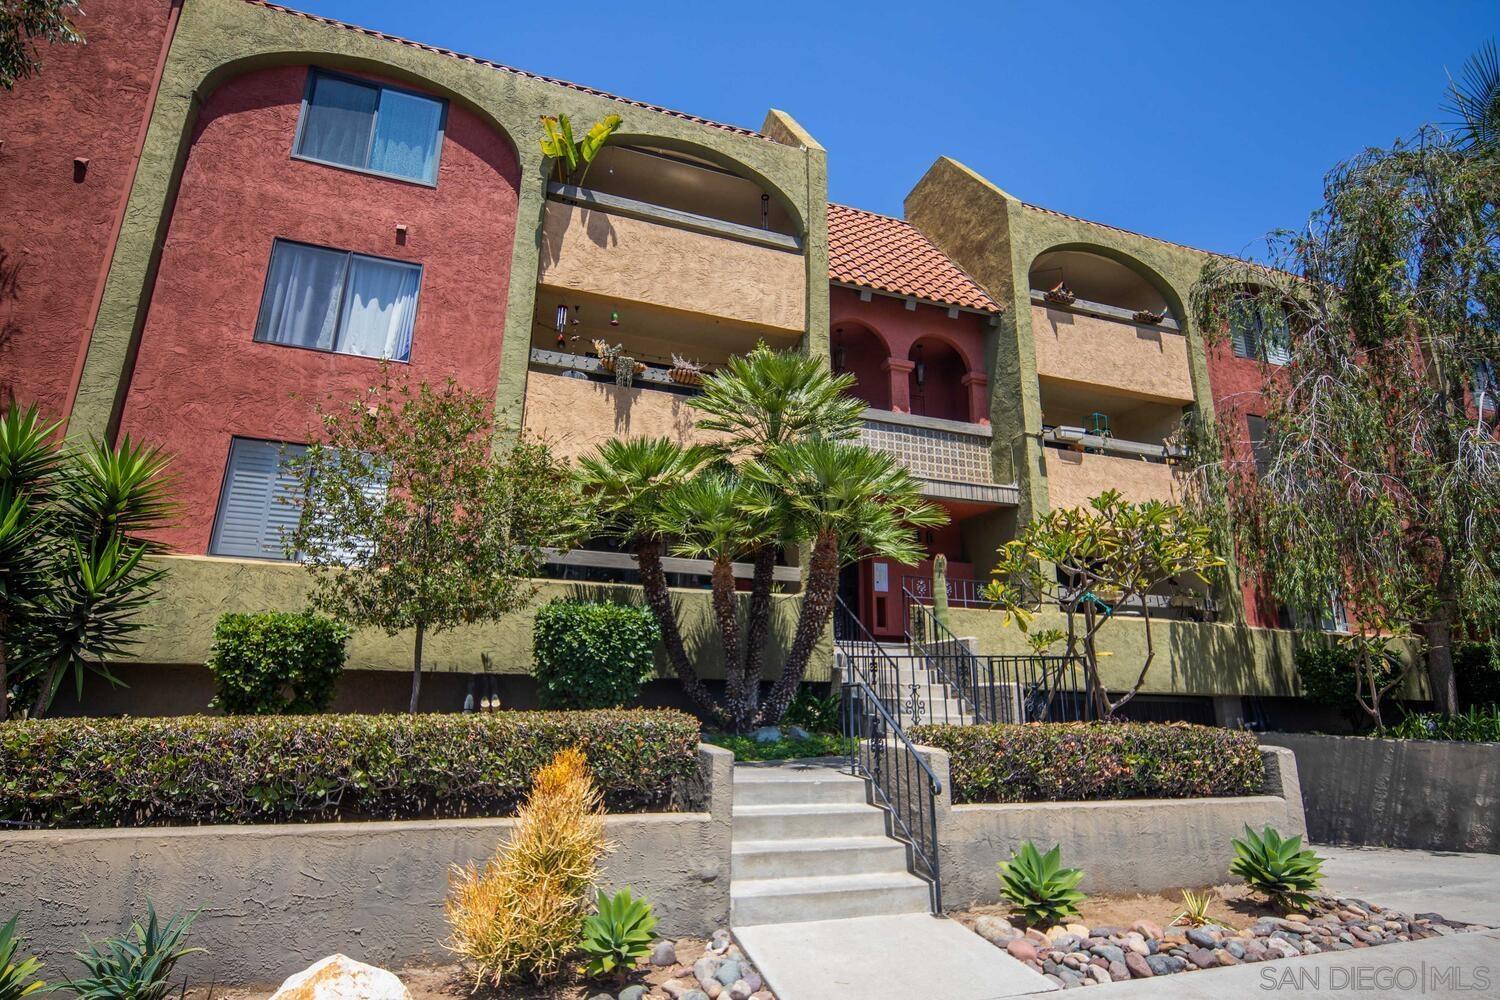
[1090, 560]
[24, 23]
[1379, 478]
[74, 542]
[785, 474]
[411, 520]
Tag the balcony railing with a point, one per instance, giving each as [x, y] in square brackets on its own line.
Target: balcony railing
[950, 457]
[634, 208]
[1106, 346]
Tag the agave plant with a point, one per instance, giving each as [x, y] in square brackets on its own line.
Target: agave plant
[1039, 887]
[569, 154]
[17, 978]
[1194, 908]
[137, 965]
[1280, 867]
[617, 935]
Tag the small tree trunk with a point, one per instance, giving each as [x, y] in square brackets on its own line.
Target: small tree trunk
[1439, 634]
[44, 696]
[1145, 667]
[659, 600]
[416, 669]
[4, 673]
[758, 623]
[817, 609]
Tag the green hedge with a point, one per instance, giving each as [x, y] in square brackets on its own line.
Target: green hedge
[260, 769]
[1070, 761]
[592, 654]
[277, 662]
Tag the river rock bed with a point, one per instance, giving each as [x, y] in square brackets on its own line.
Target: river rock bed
[1077, 955]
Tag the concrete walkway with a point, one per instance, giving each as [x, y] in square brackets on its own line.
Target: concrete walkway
[912, 956]
[1465, 966]
[1463, 887]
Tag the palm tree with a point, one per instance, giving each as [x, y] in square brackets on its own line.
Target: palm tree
[624, 482]
[847, 501]
[1475, 99]
[783, 475]
[29, 463]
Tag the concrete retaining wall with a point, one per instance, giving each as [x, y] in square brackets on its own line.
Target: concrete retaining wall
[1132, 845]
[276, 898]
[1399, 793]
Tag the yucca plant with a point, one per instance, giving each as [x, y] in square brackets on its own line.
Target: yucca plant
[1039, 887]
[1280, 867]
[1194, 908]
[521, 915]
[618, 934]
[137, 965]
[17, 978]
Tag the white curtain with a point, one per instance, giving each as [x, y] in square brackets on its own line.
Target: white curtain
[406, 136]
[379, 309]
[302, 296]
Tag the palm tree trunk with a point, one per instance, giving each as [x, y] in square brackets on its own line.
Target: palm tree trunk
[416, 669]
[812, 622]
[44, 696]
[659, 600]
[727, 611]
[758, 624]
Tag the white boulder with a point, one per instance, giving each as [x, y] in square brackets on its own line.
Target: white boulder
[339, 977]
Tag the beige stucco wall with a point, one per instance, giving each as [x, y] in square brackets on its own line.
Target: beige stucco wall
[574, 416]
[198, 589]
[1145, 361]
[639, 261]
[1126, 846]
[277, 898]
[1075, 477]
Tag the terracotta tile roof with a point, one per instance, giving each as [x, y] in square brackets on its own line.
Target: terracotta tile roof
[278, 8]
[890, 255]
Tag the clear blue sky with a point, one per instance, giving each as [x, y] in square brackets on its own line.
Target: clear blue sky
[1203, 122]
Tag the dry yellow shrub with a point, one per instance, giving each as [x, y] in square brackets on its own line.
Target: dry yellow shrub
[521, 915]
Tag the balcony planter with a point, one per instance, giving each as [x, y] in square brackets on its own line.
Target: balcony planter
[1060, 294]
[1148, 317]
[685, 372]
[611, 356]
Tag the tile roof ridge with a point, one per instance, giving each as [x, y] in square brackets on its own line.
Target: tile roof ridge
[503, 68]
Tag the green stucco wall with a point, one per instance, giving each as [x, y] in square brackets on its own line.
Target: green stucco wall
[198, 589]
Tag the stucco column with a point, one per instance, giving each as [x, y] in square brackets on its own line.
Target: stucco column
[900, 372]
[978, 384]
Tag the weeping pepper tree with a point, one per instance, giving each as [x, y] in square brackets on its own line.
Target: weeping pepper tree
[784, 474]
[1378, 479]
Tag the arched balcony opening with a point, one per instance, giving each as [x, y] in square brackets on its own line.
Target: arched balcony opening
[935, 383]
[860, 351]
[1081, 279]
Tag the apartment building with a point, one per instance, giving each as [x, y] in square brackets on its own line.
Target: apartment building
[263, 205]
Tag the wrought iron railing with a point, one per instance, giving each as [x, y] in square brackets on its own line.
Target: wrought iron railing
[995, 688]
[902, 781]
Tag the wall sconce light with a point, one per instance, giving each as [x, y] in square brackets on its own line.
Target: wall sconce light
[80, 168]
[921, 369]
[838, 349]
[401, 234]
[765, 211]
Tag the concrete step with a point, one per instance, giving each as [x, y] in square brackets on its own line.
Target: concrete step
[825, 897]
[798, 788]
[764, 859]
[810, 820]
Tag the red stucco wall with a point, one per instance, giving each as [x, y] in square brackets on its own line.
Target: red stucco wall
[56, 233]
[1236, 385]
[200, 379]
[943, 395]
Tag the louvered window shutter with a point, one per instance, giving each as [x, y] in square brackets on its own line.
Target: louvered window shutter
[258, 508]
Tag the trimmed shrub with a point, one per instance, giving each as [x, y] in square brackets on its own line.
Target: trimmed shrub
[1327, 674]
[277, 662]
[592, 654]
[1476, 669]
[1071, 761]
[1477, 725]
[262, 769]
[521, 915]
